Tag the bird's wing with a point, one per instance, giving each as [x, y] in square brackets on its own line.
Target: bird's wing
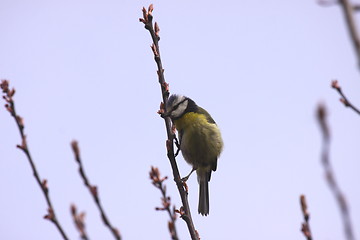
[208, 117]
[180, 134]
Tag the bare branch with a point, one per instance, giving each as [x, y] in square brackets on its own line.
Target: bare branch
[327, 3]
[329, 173]
[10, 106]
[154, 32]
[351, 24]
[94, 191]
[349, 10]
[343, 99]
[305, 226]
[79, 222]
[157, 181]
[356, 7]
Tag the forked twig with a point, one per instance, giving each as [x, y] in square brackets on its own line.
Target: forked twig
[154, 32]
[94, 191]
[79, 222]
[10, 106]
[343, 99]
[329, 173]
[157, 181]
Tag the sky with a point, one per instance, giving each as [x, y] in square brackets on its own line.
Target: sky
[84, 70]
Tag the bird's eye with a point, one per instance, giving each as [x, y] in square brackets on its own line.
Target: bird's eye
[175, 107]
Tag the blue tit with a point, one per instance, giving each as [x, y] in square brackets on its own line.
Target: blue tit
[200, 141]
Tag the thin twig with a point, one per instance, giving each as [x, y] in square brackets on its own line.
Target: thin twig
[349, 10]
[94, 191]
[343, 99]
[305, 226]
[350, 21]
[329, 173]
[10, 106]
[79, 222]
[326, 3]
[154, 32]
[356, 7]
[157, 181]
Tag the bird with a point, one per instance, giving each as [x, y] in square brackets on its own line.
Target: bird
[199, 139]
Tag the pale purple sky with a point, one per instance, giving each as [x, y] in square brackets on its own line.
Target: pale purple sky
[84, 70]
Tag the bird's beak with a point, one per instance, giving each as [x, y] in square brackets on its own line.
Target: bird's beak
[166, 114]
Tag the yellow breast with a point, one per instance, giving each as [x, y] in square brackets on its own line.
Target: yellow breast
[201, 142]
[190, 120]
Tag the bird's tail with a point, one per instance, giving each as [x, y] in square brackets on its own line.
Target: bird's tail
[203, 179]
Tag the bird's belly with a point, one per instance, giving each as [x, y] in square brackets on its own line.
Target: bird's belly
[199, 146]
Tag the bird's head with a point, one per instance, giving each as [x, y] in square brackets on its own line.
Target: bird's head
[176, 106]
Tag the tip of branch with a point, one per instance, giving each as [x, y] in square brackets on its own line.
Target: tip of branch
[75, 148]
[151, 8]
[321, 116]
[144, 14]
[154, 174]
[73, 209]
[335, 84]
[321, 112]
[304, 207]
[147, 17]
[4, 85]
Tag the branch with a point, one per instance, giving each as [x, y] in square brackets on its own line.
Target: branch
[305, 226]
[348, 10]
[157, 181]
[343, 99]
[349, 17]
[329, 173]
[154, 32]
[356, 7]
[79, 222]
[327, 3]
[10, 106]
[93, 190]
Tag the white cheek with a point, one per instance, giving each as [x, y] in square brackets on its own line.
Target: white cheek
[176, 113]
[180, 110]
